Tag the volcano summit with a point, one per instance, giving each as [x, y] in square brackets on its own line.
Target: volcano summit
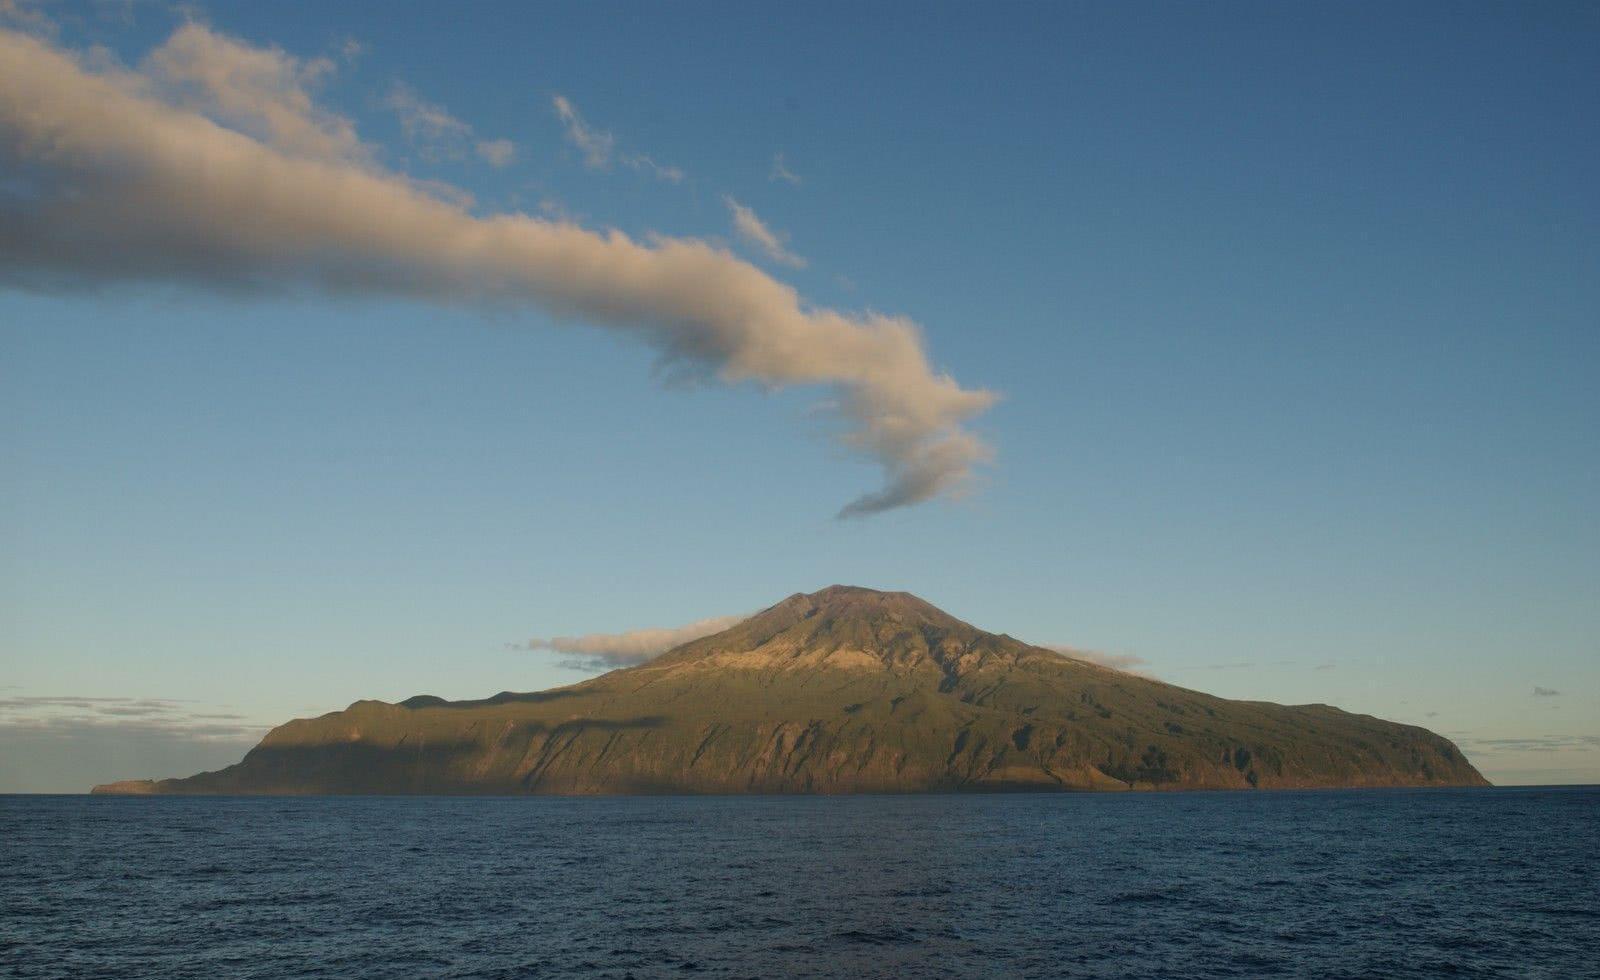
[846, 690]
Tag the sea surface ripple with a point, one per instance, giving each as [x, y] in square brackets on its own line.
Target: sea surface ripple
[1376, 883]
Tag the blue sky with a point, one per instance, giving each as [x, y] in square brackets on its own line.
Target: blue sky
[1292, 314]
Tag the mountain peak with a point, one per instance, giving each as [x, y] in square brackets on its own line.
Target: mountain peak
[838, 591]
[855, 603]
[834, 626]
[859, 599]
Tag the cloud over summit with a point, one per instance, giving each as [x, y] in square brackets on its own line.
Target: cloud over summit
[212, 167]
[1125, 662]
[605, 651]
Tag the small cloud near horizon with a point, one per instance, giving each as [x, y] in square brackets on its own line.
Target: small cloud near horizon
[69, 743]
[72, 715]
[1535, 743]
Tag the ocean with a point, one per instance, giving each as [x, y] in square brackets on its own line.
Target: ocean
[1375, 883]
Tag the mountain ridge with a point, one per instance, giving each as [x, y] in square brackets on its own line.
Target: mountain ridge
[843, 690]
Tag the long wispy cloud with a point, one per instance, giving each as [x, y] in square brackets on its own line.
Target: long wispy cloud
[263, 92]
[105, 178]
[606, 651]
[599, 146]
[755, 231]
[26, 15]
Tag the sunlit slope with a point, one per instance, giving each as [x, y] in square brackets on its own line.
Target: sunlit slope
[846, 690]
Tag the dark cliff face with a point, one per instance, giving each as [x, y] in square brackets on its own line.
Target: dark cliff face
[844, 690]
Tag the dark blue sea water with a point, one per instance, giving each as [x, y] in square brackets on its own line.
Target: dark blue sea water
[1333, 884]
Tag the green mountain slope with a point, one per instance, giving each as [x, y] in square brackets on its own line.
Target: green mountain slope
[846, 690]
